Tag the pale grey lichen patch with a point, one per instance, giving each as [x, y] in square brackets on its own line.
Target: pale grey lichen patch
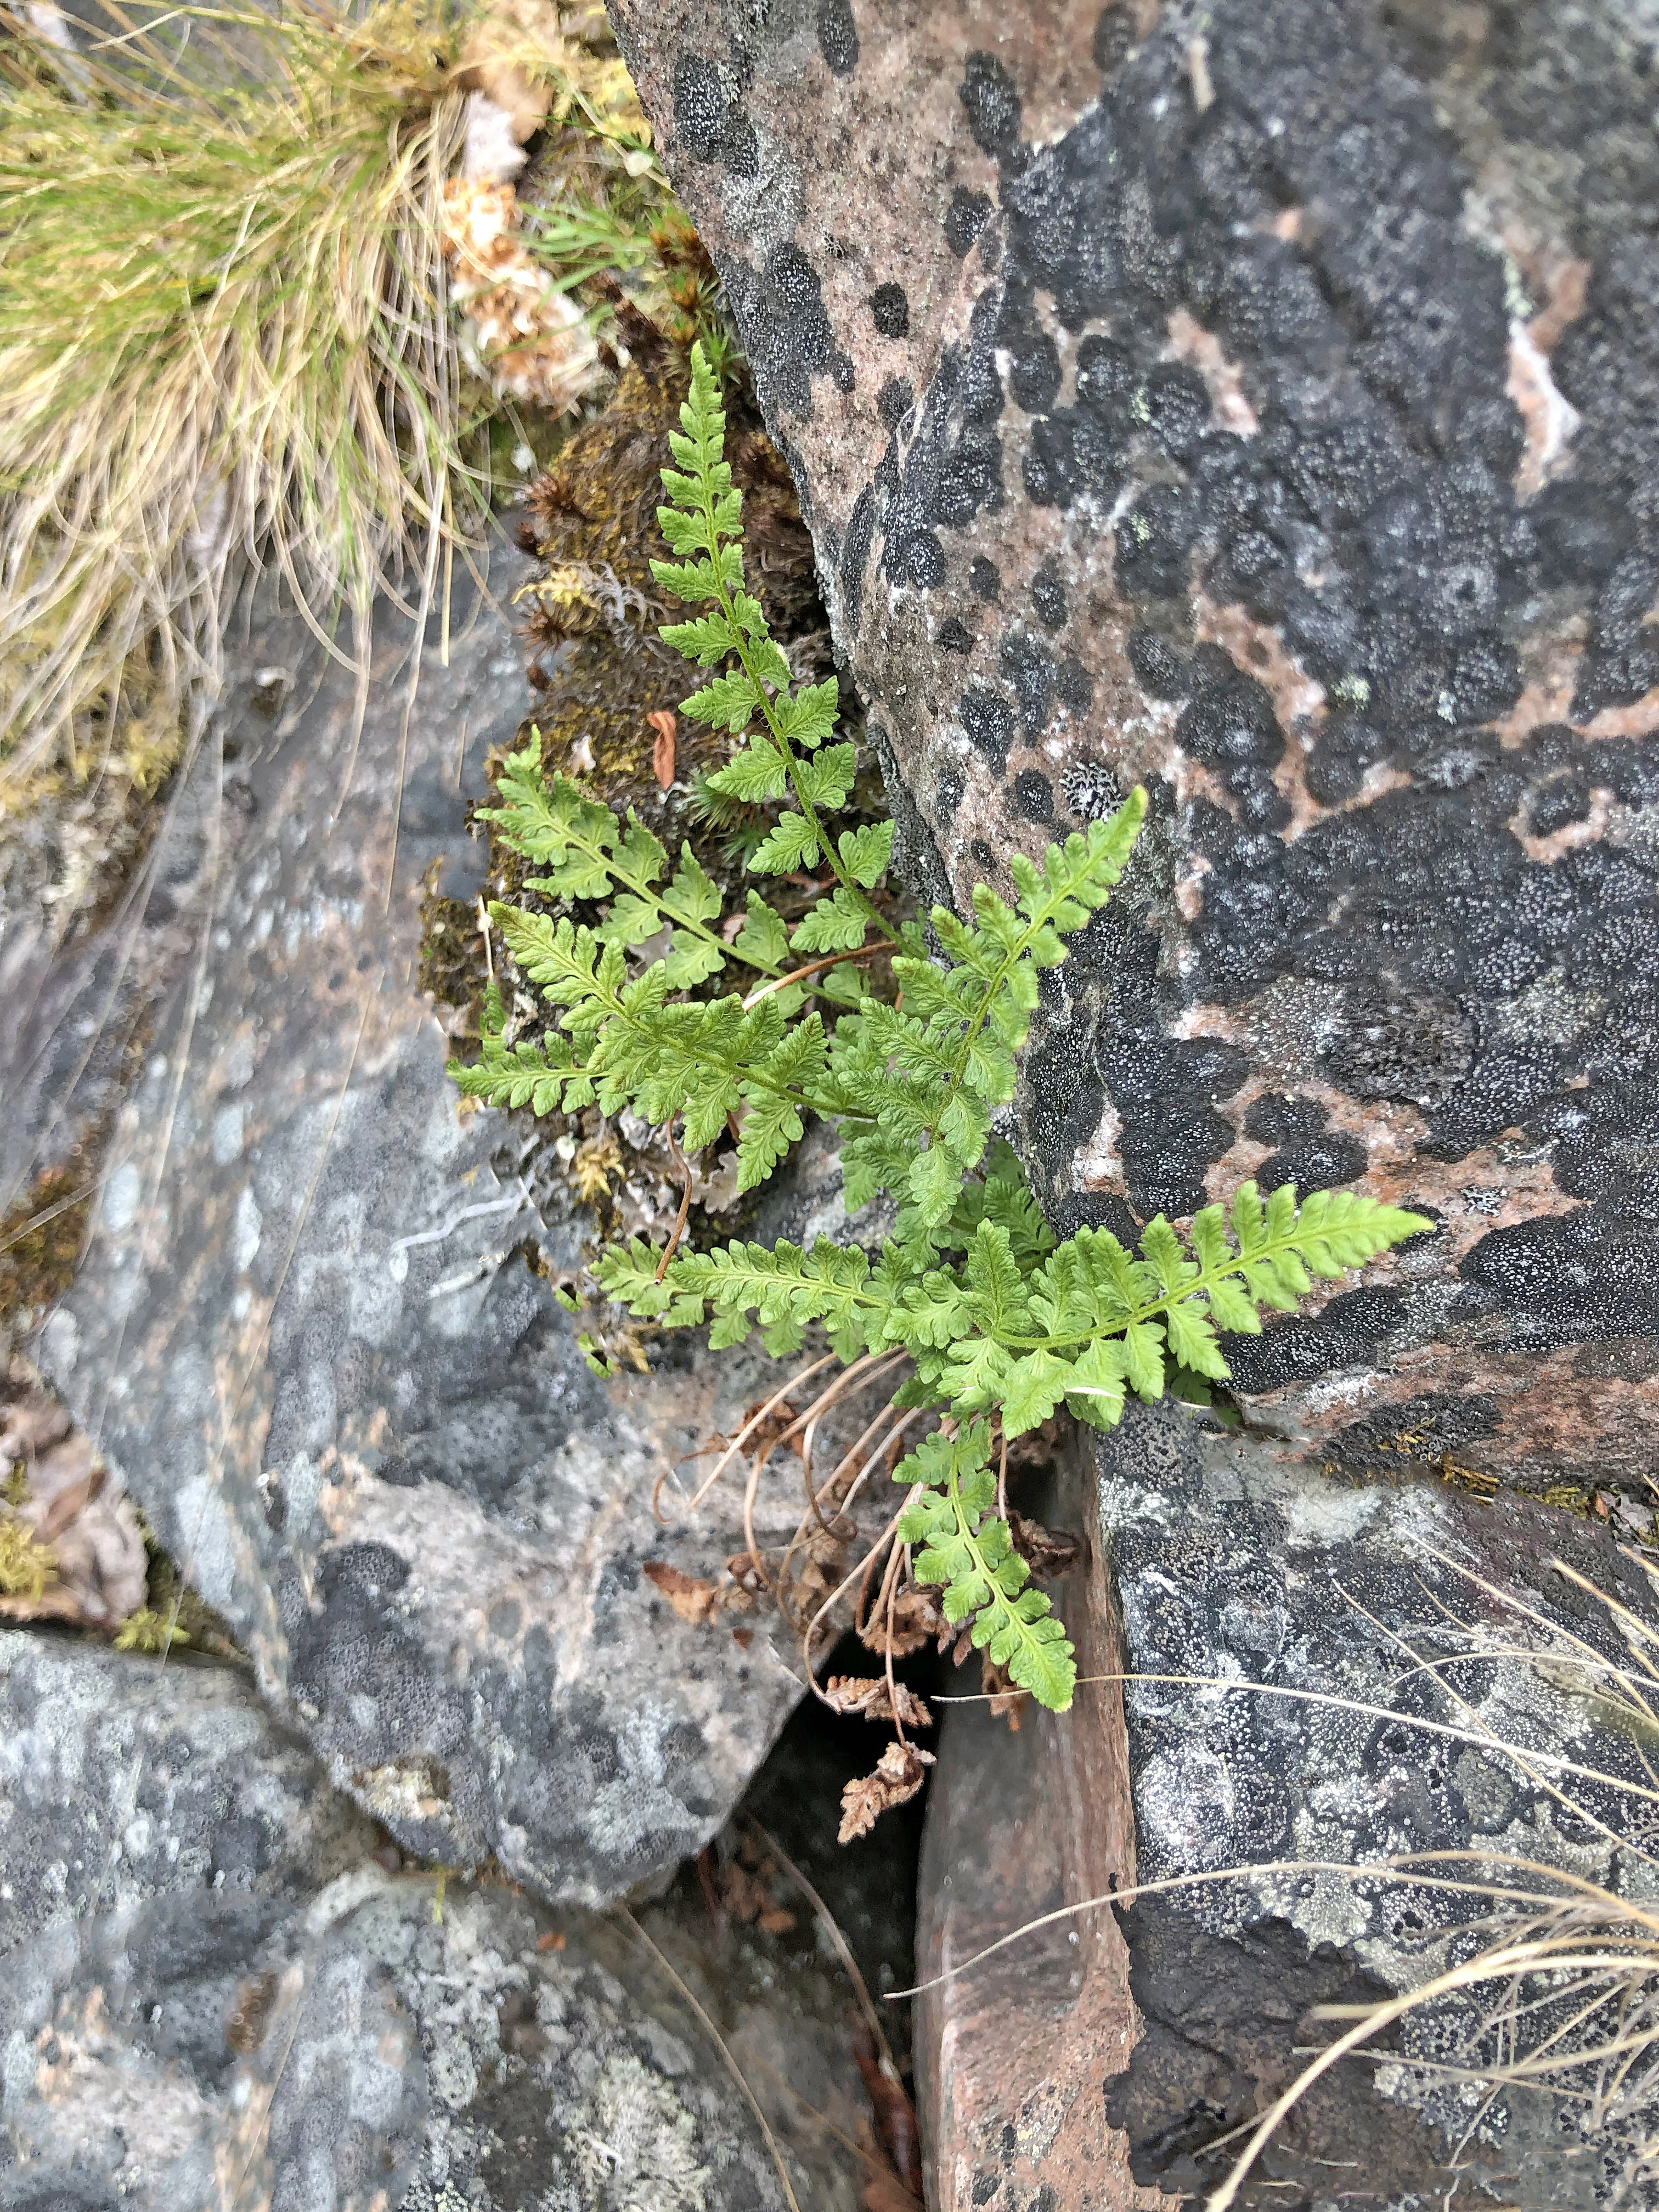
[1411, 1679]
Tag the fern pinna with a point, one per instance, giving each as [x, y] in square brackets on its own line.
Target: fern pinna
[1003, 1322]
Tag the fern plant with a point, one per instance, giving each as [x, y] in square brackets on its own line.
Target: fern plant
[999, 1317]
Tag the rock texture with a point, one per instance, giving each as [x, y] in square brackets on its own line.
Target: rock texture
[307, 1337]
[1256, 400]
[214, 1994]
[1416, 1664]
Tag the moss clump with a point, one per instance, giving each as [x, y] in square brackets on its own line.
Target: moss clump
[26, 1565]
[176, 1614]
[40, 1239]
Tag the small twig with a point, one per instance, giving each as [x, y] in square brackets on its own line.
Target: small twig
[842, 1950]
[812, 968]
[484, 932]
[738, 1442]
[723, 2047]
[673, 1245]
[1002, 1481]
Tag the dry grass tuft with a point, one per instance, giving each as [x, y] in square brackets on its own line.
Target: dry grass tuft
[223, 344]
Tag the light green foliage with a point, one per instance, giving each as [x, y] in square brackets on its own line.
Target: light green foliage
[147, 1630]
[998, 1317]
[966, 1548]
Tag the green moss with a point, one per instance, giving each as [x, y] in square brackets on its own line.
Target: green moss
[26, 1564]
[40, 1238]
[175, 1610]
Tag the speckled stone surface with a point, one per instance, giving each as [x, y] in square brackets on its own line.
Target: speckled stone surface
[307, 1337]
[1257, 400]
[213, 1999]
[1113, 2056]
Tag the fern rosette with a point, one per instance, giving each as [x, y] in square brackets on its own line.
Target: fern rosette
[1003, 1323]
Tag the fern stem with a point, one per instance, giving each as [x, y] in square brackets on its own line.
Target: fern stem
[723, 596]
[813, 968]
[1284, 1247]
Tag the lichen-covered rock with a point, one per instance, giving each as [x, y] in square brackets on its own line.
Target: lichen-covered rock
[214, 1997]
[1416, 1673]
[1257, 399]
[123, 1778]
[307, 1336]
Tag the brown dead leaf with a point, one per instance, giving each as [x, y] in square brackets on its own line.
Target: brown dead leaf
[1008, 1702]
[916, 1618]
[79, 1554]
[816, 1570]
[741, 1886]
[869, 1695]
[766, 1436]
[1048, 1553]
[899, 1773]
[885, 2193]
[892, 2149]
[665, 723]
[693, 1600]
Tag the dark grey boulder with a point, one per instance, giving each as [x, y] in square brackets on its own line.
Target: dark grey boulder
[216, 1991]
[1269, 421]
[307, 1337]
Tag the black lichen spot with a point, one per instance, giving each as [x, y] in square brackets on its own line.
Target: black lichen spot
[1114, 37]
[924, 560]
[1153, 542]
[1177, 402]
[989, 723]
[1033, 795]
[1073, 685]
[1028, 666]
[894, 401]
[1325, 1162]
[701, 117]
[966, 217]
[954, 635]
[984, 578]
[1163, 671]
[1404, 1043]
[786, 327]
[988, 94]
[983, 854]
[948, 791]
[842, 374]
[891, 310]
[1048, 596]
[741, 152]
[838, 37]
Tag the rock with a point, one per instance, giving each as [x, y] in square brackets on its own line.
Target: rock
[123, 1779]
[307, 1338]
[1127, 2053]
[1257, 401]
[229, 2002]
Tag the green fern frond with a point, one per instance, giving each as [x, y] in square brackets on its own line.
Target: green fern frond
[996, 1315]
[965, 1547]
